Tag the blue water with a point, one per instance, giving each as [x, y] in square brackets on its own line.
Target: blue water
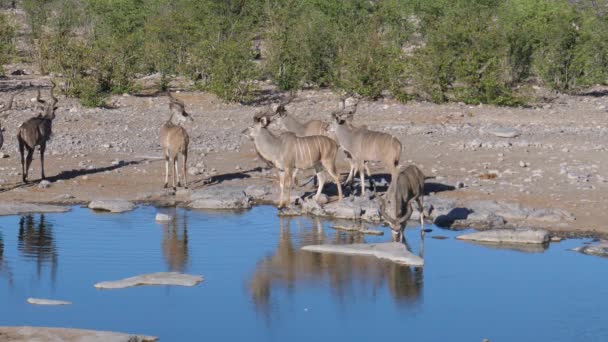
[258, 285]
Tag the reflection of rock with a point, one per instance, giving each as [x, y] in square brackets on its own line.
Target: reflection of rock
[36, 241]
[519, 247]
[113, 206]
[175, 242]
[41, 301]
[161, 278]
[509, 236]
[393, 251]
[290, 267]
[17, 334]
[25, 208]
[600, 249]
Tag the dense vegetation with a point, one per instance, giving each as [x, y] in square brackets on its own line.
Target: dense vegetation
[475, 51]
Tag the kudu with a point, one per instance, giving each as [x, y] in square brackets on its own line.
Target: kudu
[288, 152]
[37, 131]
[407, 185]
[174, 141]
[363, 145]
[8, 106]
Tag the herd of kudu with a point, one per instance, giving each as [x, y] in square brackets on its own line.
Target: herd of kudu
[310, 145]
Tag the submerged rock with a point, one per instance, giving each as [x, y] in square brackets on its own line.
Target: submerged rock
[25, 208]
[160, 278]
[23, 334]
[600, 249]
[113, 206]
[220, 197]
[393, 251]
[508, 236]
[40, 301]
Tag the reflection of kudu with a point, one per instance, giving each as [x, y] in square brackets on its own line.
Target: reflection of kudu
[363, 145]
[36, 241]
[288, 152]
[36, 131]
[175, 244]
[396, 208]
[174, 141]
[290, 267]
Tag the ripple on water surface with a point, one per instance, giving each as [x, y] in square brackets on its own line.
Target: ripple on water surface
[259, 285]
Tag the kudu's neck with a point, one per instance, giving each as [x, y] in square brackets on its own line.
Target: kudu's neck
[267, 145]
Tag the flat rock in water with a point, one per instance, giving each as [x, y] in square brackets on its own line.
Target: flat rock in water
[600, 249]
[25, 208]
[504, 132]
[508, 236]
[220, 197]
[113, 206]
[161, 278]
[393, 251]
[43, 334]
[40, 301]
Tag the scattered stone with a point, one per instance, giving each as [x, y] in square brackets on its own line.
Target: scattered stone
[40, 301]
[160, 217]
[599, 249]
[45, 184]
[504, 132]
[160, 278]
[26, 208]
[113, 206]
[64, 334]
[393, 251]
[510, 236]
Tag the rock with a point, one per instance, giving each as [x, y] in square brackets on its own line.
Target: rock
[44, 184]
[160, 278]
[113, 206]
[504, 132]
[393, 251]
[160, 217]
[40, 301]
[220, 197]
[599, 249]
[510, 236]
[26, 208]
[16, 334]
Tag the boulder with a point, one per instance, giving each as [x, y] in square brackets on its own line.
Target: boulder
[113, 206]
[25, 208]
[393, 251]
[40, 301]
[160, 278]
[23, 334]
[510, 236]
[599, 249]
[220, 197]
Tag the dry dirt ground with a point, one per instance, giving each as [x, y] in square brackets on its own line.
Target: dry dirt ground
[558, 161]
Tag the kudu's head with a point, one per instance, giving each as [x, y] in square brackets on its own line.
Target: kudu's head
[344, 116]
[179, 115]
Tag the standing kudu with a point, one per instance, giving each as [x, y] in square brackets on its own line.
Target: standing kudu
[363, 145]
[407, 185]
[174, 141]
[289, 152]
[37, 131]
[6, 108]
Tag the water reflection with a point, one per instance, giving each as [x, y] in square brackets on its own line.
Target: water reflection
[36, 242]
[175, 241]
[289, 267]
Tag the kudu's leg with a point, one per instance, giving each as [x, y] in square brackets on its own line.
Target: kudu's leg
[166, 171]
[28, 161]
[21, 152]
[185, 155]
[42, 148]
